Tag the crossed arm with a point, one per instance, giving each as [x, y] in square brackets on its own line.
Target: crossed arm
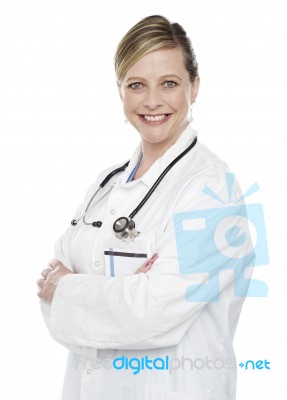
[56, 271]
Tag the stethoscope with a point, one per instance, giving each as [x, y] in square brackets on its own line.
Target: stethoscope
[124, 227]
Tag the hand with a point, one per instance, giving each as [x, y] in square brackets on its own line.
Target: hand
[51, 276]
[148, 264]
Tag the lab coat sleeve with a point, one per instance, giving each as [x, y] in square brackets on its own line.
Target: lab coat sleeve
[142, 311]
[61, 253]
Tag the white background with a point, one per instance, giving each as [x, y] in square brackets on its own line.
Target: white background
[61, 122]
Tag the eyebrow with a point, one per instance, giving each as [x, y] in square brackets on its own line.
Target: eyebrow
[161, 77]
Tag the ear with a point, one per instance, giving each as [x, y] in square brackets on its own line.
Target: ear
[194, 89]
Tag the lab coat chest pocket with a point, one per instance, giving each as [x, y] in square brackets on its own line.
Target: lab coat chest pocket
[125, 257]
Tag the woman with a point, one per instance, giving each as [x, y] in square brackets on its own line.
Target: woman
[145, 308]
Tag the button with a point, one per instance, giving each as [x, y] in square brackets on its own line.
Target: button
[97, 263]
[113, 211]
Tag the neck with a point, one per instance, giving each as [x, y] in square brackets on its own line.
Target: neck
[150, 153]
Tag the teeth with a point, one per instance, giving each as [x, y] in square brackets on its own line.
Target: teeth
[155, 118]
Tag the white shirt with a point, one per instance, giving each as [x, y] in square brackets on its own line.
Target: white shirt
[165, 313]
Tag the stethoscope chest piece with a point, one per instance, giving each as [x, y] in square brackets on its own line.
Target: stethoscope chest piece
[125, 227]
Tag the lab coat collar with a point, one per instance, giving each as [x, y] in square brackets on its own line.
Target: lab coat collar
[162, 162]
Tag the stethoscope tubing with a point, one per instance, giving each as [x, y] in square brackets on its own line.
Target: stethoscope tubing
[160, 178]
[143, 201]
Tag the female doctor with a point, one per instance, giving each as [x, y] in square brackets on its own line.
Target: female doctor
[135, 291]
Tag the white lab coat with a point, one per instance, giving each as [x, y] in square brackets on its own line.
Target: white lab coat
[101, 317]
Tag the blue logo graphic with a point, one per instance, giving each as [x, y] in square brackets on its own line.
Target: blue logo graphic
[138, 364]
[217, 239]
[259, 364]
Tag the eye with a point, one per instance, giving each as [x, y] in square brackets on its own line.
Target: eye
[135, 85]
[170, 84]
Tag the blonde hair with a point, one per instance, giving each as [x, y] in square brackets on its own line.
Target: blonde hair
[153, 33]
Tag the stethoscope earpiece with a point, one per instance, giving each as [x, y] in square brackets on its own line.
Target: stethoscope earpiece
[98, 224]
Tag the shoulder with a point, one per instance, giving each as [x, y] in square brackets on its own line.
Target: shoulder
[205, 179]
[101, 176]
[205, 161]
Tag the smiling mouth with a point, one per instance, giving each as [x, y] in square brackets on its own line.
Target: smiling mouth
[154, 118]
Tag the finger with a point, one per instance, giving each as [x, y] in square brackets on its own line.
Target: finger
[41, 282]
[54, 263]
[46, 272]
[145, 264]
[144, 268]
[39, 293]
[154, 257]
[140, 269]
[151, 260]
[147, 267]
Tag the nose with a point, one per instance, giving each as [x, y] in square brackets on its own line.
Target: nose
[153, 98]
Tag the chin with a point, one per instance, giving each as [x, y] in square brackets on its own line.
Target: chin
[156, 140]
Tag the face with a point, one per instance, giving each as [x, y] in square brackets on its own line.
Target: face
[157, 94]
